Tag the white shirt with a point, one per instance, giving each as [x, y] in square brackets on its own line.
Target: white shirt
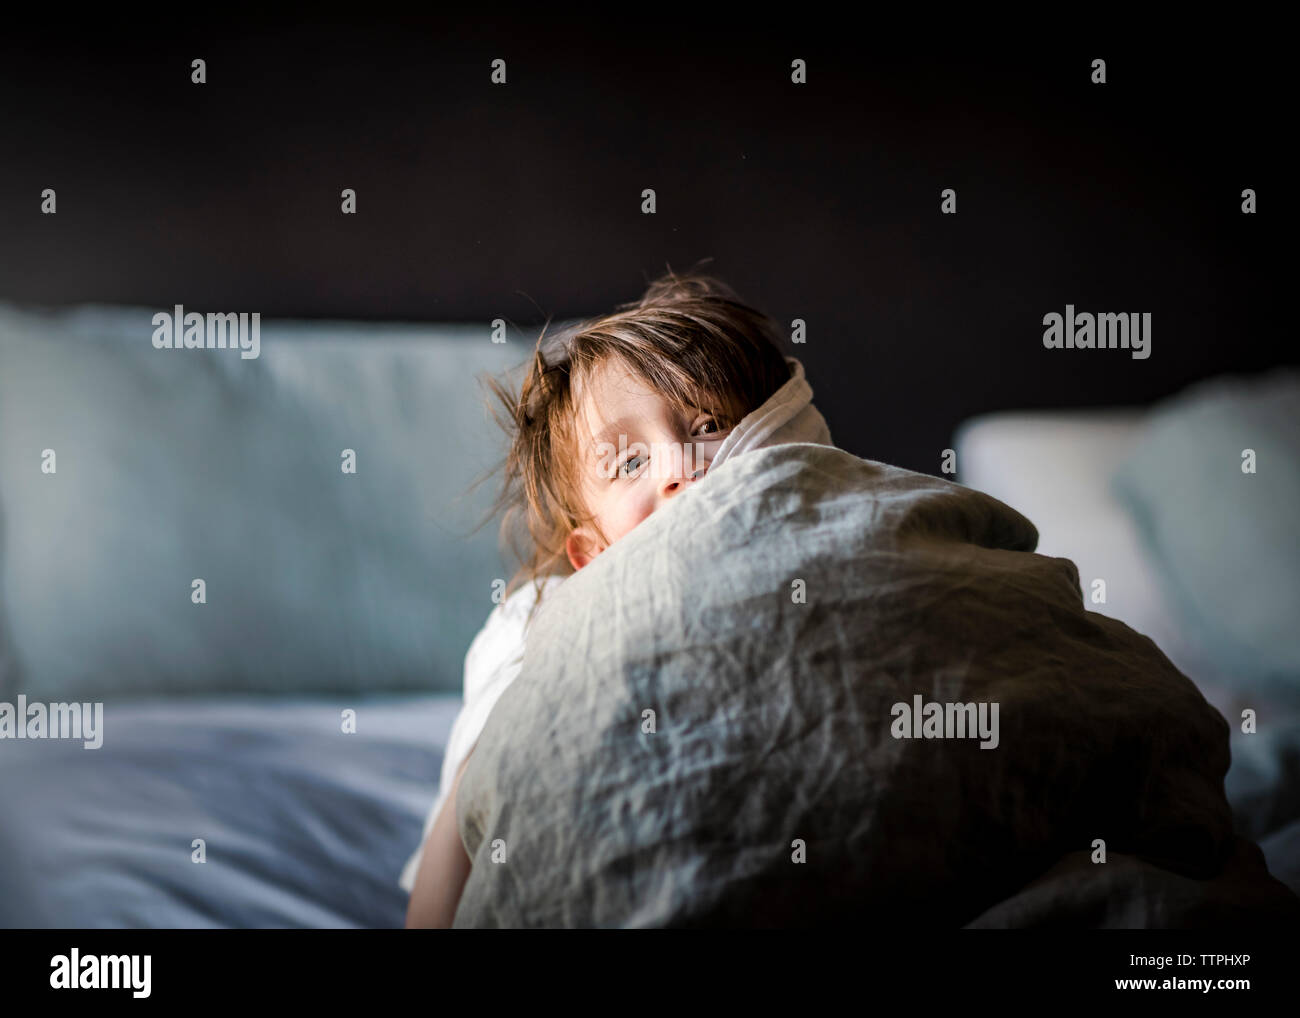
[492, 663]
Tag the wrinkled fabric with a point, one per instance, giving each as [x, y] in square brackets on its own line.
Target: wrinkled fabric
[702, 732]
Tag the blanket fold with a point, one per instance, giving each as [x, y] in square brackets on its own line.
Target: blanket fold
[787, 416]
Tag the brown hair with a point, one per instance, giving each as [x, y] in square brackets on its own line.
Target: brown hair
[689, 337]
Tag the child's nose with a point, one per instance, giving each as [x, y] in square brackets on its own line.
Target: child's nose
[680, 480]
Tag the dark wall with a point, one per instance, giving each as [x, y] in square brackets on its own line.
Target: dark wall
[818, 201]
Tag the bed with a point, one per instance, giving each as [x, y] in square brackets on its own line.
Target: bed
[271, 765]
[301, 825]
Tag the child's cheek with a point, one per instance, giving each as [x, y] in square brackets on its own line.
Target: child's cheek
[640, 511]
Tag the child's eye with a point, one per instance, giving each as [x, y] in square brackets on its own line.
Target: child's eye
[627, 463]
[714, 421]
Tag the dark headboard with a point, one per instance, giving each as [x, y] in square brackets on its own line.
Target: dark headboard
[818, 201]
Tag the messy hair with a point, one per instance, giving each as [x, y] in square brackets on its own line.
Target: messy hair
[689, 338]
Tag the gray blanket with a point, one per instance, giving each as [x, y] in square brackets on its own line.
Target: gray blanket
[817, 690]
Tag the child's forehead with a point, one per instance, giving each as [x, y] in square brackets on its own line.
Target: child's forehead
[612, 382]
[618, 406]
[616, 400]
[615, 384]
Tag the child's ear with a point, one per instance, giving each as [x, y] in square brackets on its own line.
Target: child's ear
[581, 547]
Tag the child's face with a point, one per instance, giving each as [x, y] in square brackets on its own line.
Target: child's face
[639, 452]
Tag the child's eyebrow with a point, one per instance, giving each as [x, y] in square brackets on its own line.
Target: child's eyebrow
[611, 431]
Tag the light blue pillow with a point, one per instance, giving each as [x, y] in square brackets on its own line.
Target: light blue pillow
[1227, 542]
[173, 465]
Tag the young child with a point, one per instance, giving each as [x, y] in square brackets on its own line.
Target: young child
[630, 410]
